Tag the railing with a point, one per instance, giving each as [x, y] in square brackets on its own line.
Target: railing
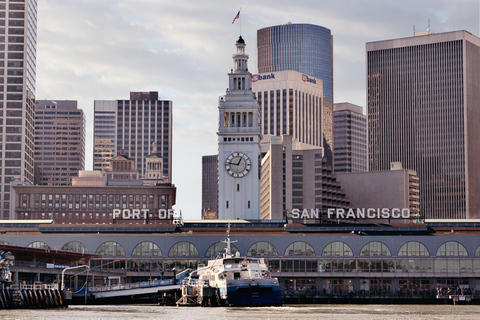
[36, 286]
[129, 286]
[195, 283]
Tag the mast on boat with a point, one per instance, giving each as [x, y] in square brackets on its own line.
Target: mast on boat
[229, 243]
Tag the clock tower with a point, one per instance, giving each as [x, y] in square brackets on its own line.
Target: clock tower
[239, 144]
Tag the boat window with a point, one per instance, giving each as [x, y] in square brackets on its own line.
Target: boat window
[236, 275]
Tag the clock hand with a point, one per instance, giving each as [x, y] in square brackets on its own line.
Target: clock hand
[239, 160]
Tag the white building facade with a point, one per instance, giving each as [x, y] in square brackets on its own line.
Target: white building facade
[239, 139]
[291, 104]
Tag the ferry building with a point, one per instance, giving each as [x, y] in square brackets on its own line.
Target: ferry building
[308, 259]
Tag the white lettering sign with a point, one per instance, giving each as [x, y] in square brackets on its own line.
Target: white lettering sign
[305, 214]
[166, 214]
[369, 213]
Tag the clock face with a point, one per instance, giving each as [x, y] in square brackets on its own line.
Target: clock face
[238, 164]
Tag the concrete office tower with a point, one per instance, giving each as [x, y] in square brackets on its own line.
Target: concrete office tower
[209, 186]
[296, 176]
[17, 95]
[59, 142]
[423, 94]
[305, 48]
[134, 125]
[291, 104]
[239, 144]
[350, 153]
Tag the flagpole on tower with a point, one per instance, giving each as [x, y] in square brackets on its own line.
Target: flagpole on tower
[240, 22]
[238, 17]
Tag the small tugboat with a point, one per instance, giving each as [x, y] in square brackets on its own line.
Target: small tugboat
[231, 280]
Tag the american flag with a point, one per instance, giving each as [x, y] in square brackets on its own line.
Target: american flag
[236, 17]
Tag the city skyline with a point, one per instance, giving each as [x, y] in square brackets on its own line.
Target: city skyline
[86, 55]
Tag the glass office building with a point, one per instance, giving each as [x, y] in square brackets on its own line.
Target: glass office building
[18, 45]
[423, 94]
[305, 48]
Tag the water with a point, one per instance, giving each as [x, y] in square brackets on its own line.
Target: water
[291, 312]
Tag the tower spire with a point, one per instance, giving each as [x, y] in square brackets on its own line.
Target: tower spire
[239, 138]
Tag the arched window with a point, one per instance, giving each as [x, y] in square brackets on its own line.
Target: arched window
[39, 245]
[219, 247]
[183, 249]
[75, 246]
[111, 248]
[146, 249]
[299, 249]
[413, 249]
[452, 249]
[375, 249]
[477, 252]
[262, 249]
[337, 249]
[4, 243]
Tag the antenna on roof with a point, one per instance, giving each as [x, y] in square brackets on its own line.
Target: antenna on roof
[413, 29]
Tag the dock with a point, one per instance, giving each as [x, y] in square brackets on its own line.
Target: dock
[147, 291]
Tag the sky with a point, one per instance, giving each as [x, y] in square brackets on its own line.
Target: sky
[102, 50]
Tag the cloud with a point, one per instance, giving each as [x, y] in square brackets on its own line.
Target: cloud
[101, 50]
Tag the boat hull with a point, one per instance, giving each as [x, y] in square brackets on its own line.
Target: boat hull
[254, 295]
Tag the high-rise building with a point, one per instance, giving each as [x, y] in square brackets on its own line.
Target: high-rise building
[239, 139]
[350, 153]
[423, 94]
[59, 141]
[104, 133]
[17, 95]
[209, 186]
[296, 176]
[291, 104]
[305, 48]
[134, 126]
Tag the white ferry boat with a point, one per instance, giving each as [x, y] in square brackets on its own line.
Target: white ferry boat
[231, 280]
